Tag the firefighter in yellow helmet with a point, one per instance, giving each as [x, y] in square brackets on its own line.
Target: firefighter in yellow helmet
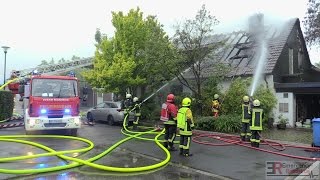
[215, 107]
[185, 124]
[245, 120]
[256, 123]
[137, 112]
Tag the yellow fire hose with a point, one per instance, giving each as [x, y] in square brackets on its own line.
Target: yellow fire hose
[10, 81]
[76, 161]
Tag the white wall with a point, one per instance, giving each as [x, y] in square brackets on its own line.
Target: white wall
[291, 114]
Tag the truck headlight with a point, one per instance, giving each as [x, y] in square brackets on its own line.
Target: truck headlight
[32, 122]
[77, 121]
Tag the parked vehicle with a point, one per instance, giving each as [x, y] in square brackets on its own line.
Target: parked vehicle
[108, 111]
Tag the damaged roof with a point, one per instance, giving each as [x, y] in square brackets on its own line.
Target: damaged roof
[240, 52]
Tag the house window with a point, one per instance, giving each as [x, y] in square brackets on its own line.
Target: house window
[283, 107]
[290, 61]
[285, 95]
[300, 56]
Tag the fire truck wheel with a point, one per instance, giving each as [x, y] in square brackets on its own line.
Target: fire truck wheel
[110, 120]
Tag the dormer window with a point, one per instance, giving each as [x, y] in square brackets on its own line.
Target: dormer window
[290, 61]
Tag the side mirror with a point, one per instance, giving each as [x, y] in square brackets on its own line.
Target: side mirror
[21, 89]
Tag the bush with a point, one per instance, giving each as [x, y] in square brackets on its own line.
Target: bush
[205, 123]
[228, 123]
[233, 98]
[150, 111]
[6, 104]
[224, 123]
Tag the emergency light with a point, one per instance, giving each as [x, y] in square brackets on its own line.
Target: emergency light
[67, 111]
[43, 111]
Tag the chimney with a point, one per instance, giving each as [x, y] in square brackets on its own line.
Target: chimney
[256, 27]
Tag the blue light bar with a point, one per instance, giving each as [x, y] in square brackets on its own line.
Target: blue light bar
[43, 111]
[67, 111]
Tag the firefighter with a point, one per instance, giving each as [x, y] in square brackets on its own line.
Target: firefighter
[215, 105]
[126, 106]
[256, 123]
[245, 121]
[185, 124]
[137, 112]
[169, 119]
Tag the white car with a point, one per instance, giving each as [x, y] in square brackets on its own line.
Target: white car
[108, 111]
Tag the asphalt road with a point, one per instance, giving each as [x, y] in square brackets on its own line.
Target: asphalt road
[103, 136]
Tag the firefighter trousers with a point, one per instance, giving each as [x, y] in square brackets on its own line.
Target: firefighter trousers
[136, 122]
[185, 144]
[245, 131]
[255, 138]
[170, 135]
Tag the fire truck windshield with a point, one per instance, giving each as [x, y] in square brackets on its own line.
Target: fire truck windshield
[54, 88]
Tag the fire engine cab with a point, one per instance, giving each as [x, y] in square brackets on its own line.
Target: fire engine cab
[51, 103]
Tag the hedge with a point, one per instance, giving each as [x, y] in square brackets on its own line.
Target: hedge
[6, 104]
[224, 123]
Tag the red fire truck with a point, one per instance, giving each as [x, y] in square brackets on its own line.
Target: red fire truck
[50, 103]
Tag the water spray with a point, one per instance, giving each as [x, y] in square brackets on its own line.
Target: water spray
[256, 28]
[260, 67]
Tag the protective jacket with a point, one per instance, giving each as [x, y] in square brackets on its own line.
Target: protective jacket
[185, 121]
[215, 105]
[168, 113]
[256, 120]
[246, 113]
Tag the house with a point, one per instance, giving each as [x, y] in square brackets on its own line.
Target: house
[287, 70]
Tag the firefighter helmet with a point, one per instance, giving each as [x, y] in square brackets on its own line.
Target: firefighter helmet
[135, 99]
[128, 96]
[186, 102]
[245, 98]
[256, 102]
[216, 96]
[170, 98]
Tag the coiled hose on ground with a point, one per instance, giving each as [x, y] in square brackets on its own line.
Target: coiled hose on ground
[235, 140]
[75, 162]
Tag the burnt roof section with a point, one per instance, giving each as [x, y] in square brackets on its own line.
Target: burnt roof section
[239, 54]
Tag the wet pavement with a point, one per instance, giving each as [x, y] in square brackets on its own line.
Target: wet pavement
[103, 136]
[207, 162]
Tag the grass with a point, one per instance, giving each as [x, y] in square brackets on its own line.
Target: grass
[298, 135]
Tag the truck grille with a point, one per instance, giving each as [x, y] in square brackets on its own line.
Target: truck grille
[55, 113]
[55, 124]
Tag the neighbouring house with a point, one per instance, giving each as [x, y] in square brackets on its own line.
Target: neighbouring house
[287, 71]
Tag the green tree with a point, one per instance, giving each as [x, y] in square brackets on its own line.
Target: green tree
[134, 57]
[52, 62]
[62, 60]
[98, 36]
[198, 51]
[43, 63]
[232, 100]
[312, 23]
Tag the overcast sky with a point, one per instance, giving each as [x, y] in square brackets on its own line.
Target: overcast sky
[45, 29]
